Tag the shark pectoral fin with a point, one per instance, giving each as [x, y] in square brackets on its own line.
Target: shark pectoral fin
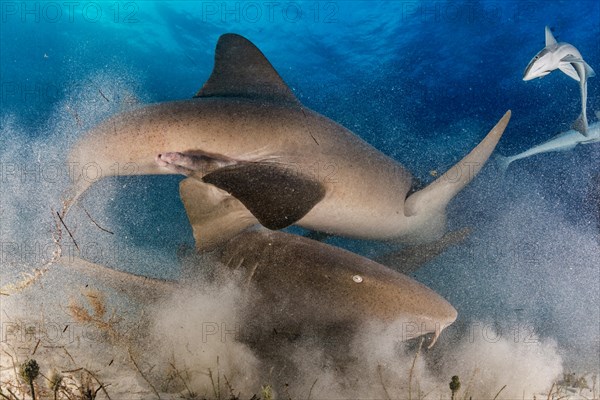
[412, 258]
[435, 197]
[589, 72]
[572, 59]
[568, 69]
[215, 216]
[579, 68]
[550, 40]
[242, 70]
[275, 195]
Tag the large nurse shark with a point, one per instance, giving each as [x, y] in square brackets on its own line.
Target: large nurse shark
[255, 149]
[297, 286]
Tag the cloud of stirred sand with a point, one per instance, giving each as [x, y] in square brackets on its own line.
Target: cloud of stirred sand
[192, 340]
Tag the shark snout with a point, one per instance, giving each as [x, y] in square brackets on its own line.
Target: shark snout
[540, 65]
[532, 75]
[534, 70]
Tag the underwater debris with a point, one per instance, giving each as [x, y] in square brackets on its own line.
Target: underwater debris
[55, 382]
[454, 385]
[30, 370]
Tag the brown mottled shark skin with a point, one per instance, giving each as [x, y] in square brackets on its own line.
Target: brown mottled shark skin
[263, 157]
[306, 283]
[298, 287]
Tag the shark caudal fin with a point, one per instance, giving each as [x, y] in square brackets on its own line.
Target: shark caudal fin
[434, 198]
[503, 162]
[581, 125]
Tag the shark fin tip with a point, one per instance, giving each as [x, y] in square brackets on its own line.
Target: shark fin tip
[581, 126]
[503, 163]
[550, 40]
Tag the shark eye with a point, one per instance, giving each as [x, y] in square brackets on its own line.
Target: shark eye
[357, 278]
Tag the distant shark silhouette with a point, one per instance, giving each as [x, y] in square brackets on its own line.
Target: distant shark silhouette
[567, 58]
[562, 142]
[255, 148]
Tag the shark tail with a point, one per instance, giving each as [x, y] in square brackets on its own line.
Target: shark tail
[434, 198]
[584, 71]
[581, 124]
[503, 162]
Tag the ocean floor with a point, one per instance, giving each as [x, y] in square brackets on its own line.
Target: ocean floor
[108, 338]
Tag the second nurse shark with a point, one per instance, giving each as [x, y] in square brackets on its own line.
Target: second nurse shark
[296, 286]
[250, 143]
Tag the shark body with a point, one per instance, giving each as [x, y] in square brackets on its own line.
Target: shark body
[305, 285]
[562, 142]
[300, 288]
[565, 57]
[296, 286]
[262, 157]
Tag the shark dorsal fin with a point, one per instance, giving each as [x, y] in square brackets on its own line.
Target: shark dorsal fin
[242, 70]
[550, 40]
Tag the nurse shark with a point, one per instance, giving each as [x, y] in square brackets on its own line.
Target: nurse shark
[253, 146]
[297, 286]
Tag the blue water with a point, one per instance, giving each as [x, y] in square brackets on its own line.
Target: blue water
[421, 81]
